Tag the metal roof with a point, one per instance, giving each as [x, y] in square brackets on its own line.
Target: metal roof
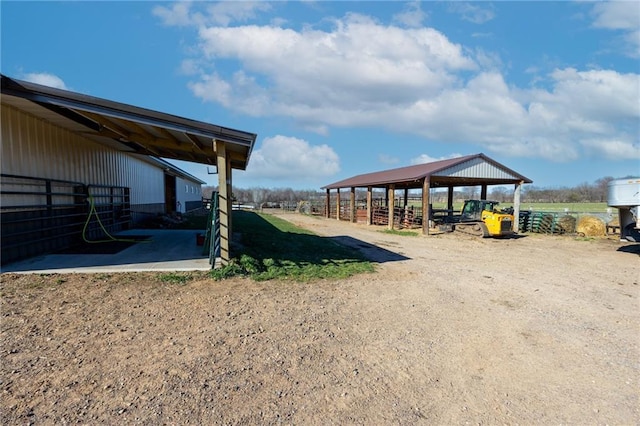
[470, 170]
[129, 128]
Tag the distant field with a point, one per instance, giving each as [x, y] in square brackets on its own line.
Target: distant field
[548, 207]
[570, 207]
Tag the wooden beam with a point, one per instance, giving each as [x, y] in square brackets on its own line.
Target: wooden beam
[369, 201]
[392, 200]
[516, 206]
[352, 205]
[426, 214]
[142, 131]
[171, 142]
[185, 147]
[224, 195]
[450, 201]
[108, 127]
[338, 204]
[140, 148]
[195, 141]
[169, 135]
[141, 136]
[327, 208]
[483, 191]
[104, 121]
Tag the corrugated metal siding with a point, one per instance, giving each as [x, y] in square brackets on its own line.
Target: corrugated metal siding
[36, 148]
[475, 168]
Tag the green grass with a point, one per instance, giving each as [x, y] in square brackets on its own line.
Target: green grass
[175, 278]
[399, 232]
[272, 248]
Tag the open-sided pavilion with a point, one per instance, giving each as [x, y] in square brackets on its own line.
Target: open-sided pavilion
[470, 170]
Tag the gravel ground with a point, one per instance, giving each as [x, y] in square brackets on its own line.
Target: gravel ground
[448, 330]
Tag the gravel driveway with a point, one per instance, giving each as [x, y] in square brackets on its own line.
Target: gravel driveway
[448, 330]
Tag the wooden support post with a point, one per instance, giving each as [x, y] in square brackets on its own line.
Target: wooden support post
[338, 204]
[483, 191]
[426, 214]
[450, 201]
[369, 201]
[327, 207]
[405, 222]
[230, 198]
[224, 196]
[516, 206]
[352, 205]
[391, 204]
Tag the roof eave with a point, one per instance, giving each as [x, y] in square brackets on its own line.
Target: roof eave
[74, 103]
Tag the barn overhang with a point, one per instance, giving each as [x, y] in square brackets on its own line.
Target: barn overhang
[151, 134]
[128, 128]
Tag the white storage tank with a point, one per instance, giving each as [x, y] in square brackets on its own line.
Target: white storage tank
[625, 195]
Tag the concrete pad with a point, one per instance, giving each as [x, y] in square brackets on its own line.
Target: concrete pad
[165, 250]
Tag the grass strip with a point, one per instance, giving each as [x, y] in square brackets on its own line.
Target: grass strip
[272, 248]
[400, 232]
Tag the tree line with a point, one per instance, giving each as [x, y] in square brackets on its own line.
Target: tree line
[585, 192]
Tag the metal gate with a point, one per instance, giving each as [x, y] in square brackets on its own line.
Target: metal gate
[212, 234]
[42, 215]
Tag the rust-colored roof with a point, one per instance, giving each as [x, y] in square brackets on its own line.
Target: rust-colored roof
[441, 172]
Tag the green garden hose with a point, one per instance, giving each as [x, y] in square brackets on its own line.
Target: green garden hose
[92, 210]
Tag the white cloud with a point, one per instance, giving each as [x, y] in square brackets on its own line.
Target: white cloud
[190, 67]
[223, 13]
[426, 158]
[226, 12]
[622, 16]
[283, 157]
[337, 78]
[320, 129]
[360, 73]
[45, 79]
[602, 95]
[613, 149]
[179, 14]
[594, 105]
[241, 92]
[473, 12]
[412, 16]
[616, 15]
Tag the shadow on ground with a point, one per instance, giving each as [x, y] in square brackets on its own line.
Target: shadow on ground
[371, 252]
[632, 248]
[262, 240]
[168, 250]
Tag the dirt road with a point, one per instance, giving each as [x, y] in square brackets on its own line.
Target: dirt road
[448, 330]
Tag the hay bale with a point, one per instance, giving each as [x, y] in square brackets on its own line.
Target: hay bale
[591, 226]
[567, 224]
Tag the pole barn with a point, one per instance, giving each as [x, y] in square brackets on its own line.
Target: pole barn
[469, 170]
[62, 149]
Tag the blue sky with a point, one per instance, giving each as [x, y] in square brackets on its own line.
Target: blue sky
[336, 89]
